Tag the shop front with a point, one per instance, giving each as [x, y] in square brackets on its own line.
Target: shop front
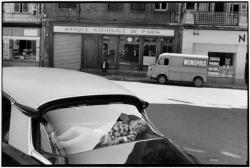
[123, 48]
[21, 46]
[226, 51]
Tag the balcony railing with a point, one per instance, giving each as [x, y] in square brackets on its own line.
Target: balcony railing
[216, 18]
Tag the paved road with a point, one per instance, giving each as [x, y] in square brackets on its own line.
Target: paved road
[212, 135]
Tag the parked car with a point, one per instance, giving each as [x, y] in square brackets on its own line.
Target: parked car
[54, 116]
[180, 67]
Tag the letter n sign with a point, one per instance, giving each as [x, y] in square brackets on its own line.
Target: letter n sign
[242, 38]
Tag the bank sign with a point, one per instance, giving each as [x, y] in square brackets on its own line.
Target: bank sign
[113, 30]
[195, 62]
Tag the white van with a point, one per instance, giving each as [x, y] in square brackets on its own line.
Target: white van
[180, 67]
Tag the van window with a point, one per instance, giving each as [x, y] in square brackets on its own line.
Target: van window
[166, 61]
[163, 61]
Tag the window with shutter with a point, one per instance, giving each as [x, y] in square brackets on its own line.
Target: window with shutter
[138, 6]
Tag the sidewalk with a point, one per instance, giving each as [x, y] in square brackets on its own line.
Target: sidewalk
[148, 80]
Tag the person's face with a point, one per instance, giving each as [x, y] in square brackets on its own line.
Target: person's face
[138, 125]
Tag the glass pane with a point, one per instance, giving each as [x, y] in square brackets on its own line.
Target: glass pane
[157, 5]
[109, 49]
[149, 50]
[164, 5]
[23, 50]
[190, 5]
[166, 61]
[220, 64]
[84, 128]
[25, 7]
[17, 7]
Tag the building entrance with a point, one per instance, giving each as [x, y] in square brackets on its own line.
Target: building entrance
[129, 53]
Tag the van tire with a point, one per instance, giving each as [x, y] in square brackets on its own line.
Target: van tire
[161, 79]
[197, 82]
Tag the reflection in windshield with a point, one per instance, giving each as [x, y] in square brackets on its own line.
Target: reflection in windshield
[85, 128]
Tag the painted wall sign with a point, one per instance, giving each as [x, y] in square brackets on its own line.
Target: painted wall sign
[242, 38]
[195, 62]
[113, 30]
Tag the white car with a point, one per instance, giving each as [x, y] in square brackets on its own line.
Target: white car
[54, 116]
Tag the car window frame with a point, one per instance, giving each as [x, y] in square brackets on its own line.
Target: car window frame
[6, 116]
[76, 101]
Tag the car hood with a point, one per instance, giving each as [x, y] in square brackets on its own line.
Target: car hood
[153, 151]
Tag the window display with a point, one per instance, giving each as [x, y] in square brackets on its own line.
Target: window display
[220, 64]
[24, 50]
[109, 49]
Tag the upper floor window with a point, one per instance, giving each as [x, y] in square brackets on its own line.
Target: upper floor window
[161, 6]
[190, 5]
[67, 5]
[21, 7]
[114, 6]
[138, 6]
[244, 7]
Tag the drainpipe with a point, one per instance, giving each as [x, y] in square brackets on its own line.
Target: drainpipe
[179, 13]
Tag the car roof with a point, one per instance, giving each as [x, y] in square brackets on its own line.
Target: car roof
[35, 86]
[183, 55]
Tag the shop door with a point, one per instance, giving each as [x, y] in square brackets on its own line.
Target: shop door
[90, 54]
[129, 58]
[67, 51]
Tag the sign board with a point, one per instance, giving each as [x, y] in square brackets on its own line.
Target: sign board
[195, 62]
[113, 30]
[30, 32]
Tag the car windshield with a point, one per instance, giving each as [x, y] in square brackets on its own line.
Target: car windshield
[83, 128]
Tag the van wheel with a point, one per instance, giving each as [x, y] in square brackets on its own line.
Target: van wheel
[162, 79]
[197, 82]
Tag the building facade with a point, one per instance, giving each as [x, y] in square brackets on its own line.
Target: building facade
[129, 35]
[21, 34]
[219, 30]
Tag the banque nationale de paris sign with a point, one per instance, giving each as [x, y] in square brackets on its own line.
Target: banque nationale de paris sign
[113, 30]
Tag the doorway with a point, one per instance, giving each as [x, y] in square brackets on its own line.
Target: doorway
[129, 58]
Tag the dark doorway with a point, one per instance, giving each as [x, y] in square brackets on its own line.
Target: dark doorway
[129, 59]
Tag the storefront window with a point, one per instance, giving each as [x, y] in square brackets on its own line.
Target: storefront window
[109, 49]
[167, 45]
[149, 54]
[19, 50]
[220, 64]
[23, 49]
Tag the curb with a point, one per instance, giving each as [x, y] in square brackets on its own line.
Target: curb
[146, 80]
